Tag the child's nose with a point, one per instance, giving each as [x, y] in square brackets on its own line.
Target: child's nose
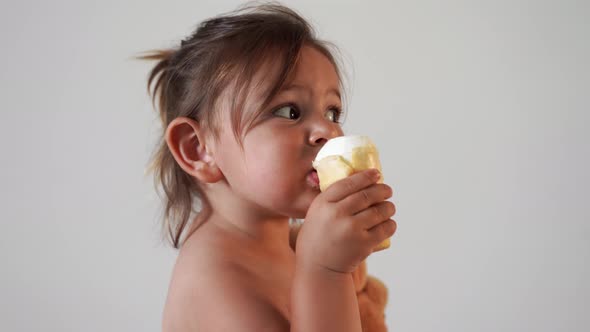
[322, 131]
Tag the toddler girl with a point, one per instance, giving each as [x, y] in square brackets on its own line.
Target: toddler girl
[247, 101]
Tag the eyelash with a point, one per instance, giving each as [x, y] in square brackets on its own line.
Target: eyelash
[338, 111]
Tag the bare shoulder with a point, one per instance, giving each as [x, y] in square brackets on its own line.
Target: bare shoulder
[208, 293]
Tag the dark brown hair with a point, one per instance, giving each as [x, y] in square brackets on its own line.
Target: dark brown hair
[221, 55]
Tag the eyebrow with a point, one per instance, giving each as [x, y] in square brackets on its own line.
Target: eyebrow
[301, 87]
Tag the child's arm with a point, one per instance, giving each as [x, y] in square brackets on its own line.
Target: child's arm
[324, 300]
[342, 227]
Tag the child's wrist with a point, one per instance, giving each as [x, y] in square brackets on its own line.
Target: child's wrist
[311, 267]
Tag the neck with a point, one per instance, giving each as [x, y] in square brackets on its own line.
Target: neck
[249, 223]
[270, 234]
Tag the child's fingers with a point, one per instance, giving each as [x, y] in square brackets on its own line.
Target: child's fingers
[351, 184]
[374, 215]
[381, 232]
[365, 197]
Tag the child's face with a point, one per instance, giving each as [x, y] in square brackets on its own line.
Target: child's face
[273, 172]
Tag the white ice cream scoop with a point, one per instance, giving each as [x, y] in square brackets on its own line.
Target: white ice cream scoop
[343, 156]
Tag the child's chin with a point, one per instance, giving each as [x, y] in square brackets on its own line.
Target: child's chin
[299, 212]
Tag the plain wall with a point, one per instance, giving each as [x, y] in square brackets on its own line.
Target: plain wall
[480, 110]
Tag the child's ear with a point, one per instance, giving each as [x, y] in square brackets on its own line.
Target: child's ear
[188, 144]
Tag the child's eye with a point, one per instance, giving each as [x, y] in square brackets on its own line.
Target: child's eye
[333, 114]
[288, 111]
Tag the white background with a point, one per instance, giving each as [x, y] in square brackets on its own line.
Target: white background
[479, 108]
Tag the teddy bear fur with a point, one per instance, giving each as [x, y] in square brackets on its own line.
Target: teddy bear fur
[371, 293]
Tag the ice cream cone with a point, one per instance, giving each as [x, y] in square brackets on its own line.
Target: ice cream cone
[343, 156]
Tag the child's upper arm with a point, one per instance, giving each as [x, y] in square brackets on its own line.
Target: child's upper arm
[227, 304]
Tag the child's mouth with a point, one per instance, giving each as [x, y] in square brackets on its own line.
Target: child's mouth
[312, 178]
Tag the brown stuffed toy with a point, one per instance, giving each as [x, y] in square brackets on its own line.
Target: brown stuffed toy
[371, 293]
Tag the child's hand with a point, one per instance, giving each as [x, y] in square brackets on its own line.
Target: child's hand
[344, 223]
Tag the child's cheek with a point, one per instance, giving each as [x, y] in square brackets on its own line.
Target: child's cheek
[270, 176]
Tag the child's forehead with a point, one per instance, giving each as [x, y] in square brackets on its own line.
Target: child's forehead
[314, 72]
[312, 66]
